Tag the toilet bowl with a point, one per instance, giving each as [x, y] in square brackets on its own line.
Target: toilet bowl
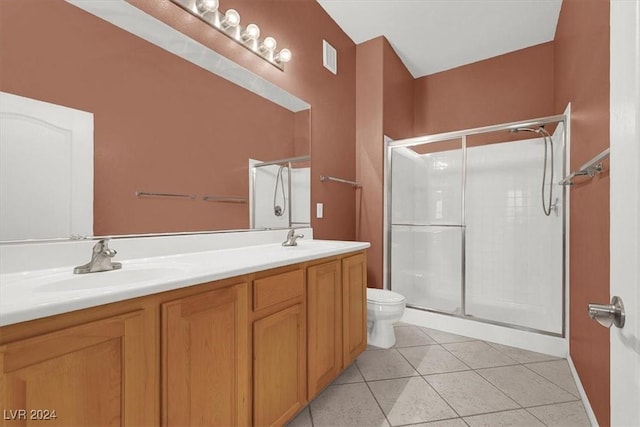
[384, 308]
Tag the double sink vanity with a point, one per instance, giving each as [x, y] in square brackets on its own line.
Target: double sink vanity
[218, 329]
[234, 330]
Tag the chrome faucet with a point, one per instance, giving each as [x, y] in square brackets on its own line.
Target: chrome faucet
[292, 237]
[100, 259]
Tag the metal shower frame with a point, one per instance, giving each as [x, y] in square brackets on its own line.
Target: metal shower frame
[462, 136]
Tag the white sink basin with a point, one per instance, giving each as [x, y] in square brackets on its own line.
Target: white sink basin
[128, 276]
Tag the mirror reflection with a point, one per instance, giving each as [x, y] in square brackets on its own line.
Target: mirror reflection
[163, 128]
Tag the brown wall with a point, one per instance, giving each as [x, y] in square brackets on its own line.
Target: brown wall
[301, 26]
[581, 52]
[158, 125]
[369, 153]
[152, 122]
[384, 100]
[398, 95]
[510, 87]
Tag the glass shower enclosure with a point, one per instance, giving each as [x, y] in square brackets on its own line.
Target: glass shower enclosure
[467, 234]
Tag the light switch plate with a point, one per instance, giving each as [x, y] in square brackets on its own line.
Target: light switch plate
[319, 210]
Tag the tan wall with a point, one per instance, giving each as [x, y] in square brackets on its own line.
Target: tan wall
[82, 62]
[510, 87]
[581, 77]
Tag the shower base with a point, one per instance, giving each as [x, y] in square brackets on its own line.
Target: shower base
[533, 341]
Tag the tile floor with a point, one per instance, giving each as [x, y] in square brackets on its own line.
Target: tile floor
[433, 378]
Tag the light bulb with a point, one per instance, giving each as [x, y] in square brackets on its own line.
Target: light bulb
[205, 6]
[268, 44]
[252, 32]
[231, 19]
[284, 56]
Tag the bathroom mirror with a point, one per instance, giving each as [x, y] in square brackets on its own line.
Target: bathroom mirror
[173, 140]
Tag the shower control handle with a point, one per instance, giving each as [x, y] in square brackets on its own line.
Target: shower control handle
[608, 314]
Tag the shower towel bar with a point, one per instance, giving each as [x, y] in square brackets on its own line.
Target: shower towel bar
[344, 181]
[590, 168]
[180, 196]
[224, 199]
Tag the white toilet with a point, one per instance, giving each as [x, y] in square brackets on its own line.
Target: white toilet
[384, 308]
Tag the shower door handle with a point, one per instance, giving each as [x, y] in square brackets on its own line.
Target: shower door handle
[608, 314]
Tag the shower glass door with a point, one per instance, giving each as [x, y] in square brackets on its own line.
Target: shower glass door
[468, 232]
[426, 231]
[514, 262]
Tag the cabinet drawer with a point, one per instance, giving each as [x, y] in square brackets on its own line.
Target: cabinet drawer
[275, 289]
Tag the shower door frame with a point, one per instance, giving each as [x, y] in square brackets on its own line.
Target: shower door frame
[462, 135]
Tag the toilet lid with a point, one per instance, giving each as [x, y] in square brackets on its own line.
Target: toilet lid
[383, 296]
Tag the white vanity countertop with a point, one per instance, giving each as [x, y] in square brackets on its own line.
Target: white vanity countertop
[39, 293]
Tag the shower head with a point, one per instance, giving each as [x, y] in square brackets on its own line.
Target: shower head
[516, 130]
[540, 131]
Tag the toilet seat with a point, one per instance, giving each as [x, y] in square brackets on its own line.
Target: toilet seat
[383, 296]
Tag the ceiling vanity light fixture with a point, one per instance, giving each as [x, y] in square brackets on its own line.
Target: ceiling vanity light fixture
[228, 23]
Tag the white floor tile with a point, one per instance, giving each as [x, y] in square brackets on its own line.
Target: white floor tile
[383, 365]
[350, 375]
[408, 336]
[478, 354]
[432, 359]
[570, 414]
[345, 406]
[410, 400]
[558, 372]
[454, 422]
[469, 394]
[522, 356]
[486, 383]
[524, 386]
[445, 337]
[517, 418]
[303, 419]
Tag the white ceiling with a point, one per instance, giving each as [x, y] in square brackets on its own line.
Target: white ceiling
[437, 35]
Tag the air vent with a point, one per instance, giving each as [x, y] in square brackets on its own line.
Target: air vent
[329, 57]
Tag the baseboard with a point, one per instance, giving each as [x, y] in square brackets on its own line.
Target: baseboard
[583, 394]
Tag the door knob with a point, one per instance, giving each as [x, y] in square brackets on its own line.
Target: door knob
[608, 314]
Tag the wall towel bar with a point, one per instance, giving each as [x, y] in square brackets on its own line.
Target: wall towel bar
[344, 181]
[179, 196]
[225, 199]
[590, 168]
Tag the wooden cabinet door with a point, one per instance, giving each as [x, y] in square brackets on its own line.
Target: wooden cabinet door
[93, 374]
[324, 325]
[205, 378]
[354, 306]
[279, 366]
